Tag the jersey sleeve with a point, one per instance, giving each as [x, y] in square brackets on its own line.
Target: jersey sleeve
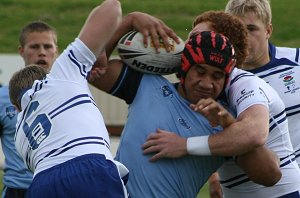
[246, 92]
[127, 84]
[74, 63]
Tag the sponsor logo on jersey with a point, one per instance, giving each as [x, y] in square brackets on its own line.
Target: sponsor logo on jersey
[10, 112]
[290, 83]
[244, 95]
[166, 91]
[287, 78]
[184, 123]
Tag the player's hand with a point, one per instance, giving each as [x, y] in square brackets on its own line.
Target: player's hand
[99, 67]
[165, 145]
[215, 190]
[214, 112]
[151, 26]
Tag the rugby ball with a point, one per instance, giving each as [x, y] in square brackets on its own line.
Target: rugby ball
[132, 51]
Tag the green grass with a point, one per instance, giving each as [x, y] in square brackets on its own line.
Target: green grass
[204, 192]
[67, 16]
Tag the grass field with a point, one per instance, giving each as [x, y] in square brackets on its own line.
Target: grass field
[67, 16]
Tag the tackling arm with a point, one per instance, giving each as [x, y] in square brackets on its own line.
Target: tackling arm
[250, 131]
[268, 172]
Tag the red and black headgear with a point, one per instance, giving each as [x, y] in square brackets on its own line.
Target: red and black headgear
[210, 48]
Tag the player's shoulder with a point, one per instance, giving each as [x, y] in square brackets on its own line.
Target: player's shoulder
[239, 75]
[152, 83]
[289, 53]
[241, 80]
[281, 49]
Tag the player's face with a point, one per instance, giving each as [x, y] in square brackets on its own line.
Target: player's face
[258, 35]
[40, 48]
[203, 81]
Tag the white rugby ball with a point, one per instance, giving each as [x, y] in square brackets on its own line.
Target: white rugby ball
[132, 51]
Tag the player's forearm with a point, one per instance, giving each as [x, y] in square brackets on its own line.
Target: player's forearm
[249, 132]
[229, 142]
[233, 140]
[268, 172]
[227, 121]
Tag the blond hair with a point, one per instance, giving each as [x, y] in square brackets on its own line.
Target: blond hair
[261, 9]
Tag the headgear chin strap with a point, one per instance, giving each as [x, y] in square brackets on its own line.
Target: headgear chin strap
[209, 48]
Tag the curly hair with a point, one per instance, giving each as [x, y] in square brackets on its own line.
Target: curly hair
[230, 26]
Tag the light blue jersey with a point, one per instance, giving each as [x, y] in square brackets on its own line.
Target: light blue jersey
[157, 104]
[283, 74]
[16, 175]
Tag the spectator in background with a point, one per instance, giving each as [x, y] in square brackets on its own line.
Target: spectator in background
[37, 45]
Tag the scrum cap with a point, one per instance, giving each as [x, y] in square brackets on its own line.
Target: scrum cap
[210, 48]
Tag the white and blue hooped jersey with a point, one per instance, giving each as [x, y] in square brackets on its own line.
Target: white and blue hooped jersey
[66, 122]
[244, 90]
[283, 74]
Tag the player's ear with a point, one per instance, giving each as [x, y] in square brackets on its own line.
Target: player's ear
[21, 50]
[269, 30]
[57, 50]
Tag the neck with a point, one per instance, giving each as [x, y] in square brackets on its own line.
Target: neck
[249, 65]
[181, 90]
[258, 59]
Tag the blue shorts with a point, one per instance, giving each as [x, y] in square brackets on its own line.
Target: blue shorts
[85, 176]
[295, 194]
[13, 192]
